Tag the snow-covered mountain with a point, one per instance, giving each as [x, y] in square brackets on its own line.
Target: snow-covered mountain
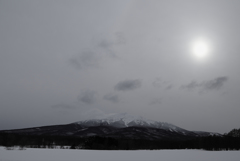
[120, 125]
[125, 120]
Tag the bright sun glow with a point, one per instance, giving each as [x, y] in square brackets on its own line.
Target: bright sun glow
[200, 48]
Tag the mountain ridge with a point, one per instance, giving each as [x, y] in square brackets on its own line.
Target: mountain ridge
[116, 126]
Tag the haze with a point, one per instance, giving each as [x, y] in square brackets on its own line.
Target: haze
[61, 59]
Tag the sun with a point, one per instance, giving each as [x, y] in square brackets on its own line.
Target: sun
[200, 48]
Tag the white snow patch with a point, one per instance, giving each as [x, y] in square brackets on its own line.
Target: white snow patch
[83, 129]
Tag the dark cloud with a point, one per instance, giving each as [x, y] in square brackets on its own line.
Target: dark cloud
[128, 85]
[214, 84]
[112, 98]
[63, 106]
[87, 97]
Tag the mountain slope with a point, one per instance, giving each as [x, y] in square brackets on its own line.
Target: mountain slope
[116, 126]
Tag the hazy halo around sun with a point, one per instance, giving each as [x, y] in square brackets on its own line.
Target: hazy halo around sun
[200, 48]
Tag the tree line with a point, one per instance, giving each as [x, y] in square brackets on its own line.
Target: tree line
[230, 141]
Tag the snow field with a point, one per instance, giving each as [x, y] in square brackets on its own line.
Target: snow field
[97, 155]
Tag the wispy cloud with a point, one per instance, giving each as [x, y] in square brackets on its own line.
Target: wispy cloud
[85, 59]
[87, 97]
[128, 85]
[155, 101]
[169, 87]
[215, 84]
[111, 97]
[210, 85]
[158, 82]
[92, 58]
[191, 86]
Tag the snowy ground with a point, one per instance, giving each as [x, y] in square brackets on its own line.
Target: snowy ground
[96, 155]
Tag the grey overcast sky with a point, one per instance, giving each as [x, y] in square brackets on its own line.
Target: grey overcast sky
[61, 59]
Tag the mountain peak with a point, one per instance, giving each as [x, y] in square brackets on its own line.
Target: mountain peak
[124, 117]
[127, 120]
